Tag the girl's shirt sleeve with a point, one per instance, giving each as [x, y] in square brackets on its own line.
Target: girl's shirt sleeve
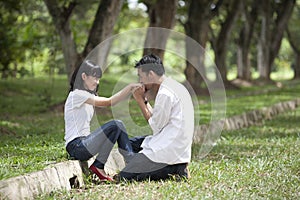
[79, 97]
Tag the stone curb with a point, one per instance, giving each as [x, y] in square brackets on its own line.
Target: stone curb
[245, 119]
[69, 174]
[64, 175]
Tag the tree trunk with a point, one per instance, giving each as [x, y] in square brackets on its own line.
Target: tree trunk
[243, 63]
[195, 54]
[283, 15]
[61, 19]
[264, 42]
[270, 39]
[15, 70]
[221, 42]
[161, 15]
[243, 60]
[197, 27]
[297, 66]
[5, 70]
[105, 19]
[102, 28]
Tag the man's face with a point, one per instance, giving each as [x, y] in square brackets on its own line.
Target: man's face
[144, 79]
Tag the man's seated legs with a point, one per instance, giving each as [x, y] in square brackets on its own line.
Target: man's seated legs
[142, 168]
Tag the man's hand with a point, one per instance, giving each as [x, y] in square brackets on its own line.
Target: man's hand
[139, 96]
[139, 93]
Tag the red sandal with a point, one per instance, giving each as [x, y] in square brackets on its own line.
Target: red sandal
[101, 176]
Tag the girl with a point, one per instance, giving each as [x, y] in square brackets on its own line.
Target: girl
[81, 143]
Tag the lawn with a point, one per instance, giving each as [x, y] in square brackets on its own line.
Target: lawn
[32, 134]
[259, 162]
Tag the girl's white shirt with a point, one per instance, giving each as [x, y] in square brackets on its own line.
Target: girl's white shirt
[78, 115]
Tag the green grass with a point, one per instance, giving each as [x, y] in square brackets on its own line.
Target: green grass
[32, 134]
[259, 162]
[30, 143]
[249, 98]
[31, 95]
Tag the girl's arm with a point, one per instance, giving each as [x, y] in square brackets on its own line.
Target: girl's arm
[116, 98]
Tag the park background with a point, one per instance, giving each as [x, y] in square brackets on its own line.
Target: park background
[254, 44]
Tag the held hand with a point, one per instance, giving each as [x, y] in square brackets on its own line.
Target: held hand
[139, 92]
[133, 86]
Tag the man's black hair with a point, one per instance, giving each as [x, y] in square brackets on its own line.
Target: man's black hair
[151, 63]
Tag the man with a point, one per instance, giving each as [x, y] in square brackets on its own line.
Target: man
[168, 150]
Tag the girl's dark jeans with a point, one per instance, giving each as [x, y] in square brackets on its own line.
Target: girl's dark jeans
[101, 142]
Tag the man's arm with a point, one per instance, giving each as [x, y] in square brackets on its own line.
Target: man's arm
[143, 104]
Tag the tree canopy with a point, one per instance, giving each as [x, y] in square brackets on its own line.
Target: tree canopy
[42, 37]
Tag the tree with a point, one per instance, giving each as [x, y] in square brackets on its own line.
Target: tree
[249, 18]
[271, 33]
[220, 42]
[21, 35]
[16, 37]
[8, 19]
[294, 39]
[102, 28]
[161, 14]
[196, 27]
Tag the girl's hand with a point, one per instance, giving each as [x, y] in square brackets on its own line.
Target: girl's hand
[139, 92]
[134, 86]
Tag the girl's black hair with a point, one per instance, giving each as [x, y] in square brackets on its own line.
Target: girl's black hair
[151, 62]
[89, 68]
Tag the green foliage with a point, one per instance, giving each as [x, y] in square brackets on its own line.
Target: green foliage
[130, 18]
[31, 47]
[82, 20]
[26, 38]
[283, 60]
[8, 26]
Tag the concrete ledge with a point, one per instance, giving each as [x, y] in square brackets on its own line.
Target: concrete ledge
[65, 175]
[59, 176]
[243, 120]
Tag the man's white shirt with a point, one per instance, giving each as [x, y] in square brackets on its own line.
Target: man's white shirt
[172, 124]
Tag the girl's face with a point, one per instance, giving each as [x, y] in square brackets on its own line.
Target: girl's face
[90, 82]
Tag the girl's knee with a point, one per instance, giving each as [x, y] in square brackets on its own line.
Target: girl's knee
[119, 124]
